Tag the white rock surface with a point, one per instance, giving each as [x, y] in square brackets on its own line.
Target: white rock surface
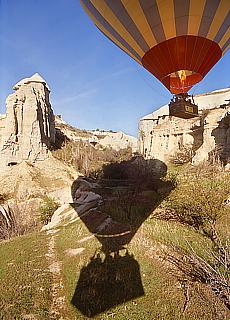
[36, 78]
[5, 215]
[74, 252]
[162, 136]
[49, 177]
[66, 214]
[28, 130]
[116, 140]
[209, 100]
[63, 214]
[98, 138]
[84, 200]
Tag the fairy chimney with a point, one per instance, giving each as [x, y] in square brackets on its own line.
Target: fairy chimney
[29, 130]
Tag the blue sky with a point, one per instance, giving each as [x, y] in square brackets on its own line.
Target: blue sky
[93, 83]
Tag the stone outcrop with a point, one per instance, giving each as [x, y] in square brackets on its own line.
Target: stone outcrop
[27, 131]
[162, 136]
[50, 177]
[112, 234]
[25, 185]
[115, 140]
[97, 138]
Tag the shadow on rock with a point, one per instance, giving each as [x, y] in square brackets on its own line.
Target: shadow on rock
[114, 208]
[107, 282]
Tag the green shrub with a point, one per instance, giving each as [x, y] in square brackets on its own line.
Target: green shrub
[182, 156]
[199, 199]
[143, 172]
[48, 207]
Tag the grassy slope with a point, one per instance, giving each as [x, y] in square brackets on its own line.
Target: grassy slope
[24, 280]
[163, 297]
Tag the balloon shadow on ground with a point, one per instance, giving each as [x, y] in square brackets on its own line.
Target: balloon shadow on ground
[113, 277]
[105, 283]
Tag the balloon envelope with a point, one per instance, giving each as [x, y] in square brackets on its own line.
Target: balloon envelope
[178, 41]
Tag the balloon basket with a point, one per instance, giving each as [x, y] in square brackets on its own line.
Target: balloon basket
[183, 106]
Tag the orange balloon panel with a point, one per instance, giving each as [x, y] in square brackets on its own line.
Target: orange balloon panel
[191, 53]
[177, 41]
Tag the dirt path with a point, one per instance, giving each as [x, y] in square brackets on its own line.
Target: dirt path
[58, 308]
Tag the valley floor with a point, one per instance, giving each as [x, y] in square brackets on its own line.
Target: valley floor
[64, 275]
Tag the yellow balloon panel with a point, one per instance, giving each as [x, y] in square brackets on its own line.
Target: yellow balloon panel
[168, 37]
[141, 24]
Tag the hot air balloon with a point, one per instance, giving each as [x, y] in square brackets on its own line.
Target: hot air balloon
[178, 41]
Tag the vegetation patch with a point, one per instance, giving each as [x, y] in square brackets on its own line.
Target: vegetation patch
[200, 201]
[163, 296]
[86, 158]
[24, 280]
[48, 206]
[171, 266]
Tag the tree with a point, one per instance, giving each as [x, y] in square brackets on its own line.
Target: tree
[48, 207]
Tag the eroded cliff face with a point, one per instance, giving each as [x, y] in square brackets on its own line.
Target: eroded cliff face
[27, 131]
[98, 138]
[162, 136]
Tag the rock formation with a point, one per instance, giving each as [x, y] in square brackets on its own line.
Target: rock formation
[29, 171]
[27, 131]
[112, 234]
[97, 138]
[162, 136]
[116, 140]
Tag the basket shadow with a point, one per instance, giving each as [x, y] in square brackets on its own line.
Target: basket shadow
[107, 282]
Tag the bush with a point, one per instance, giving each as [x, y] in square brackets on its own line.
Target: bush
[48, 207]
[199, 199]
[142, 172]
[182, 156]
[86, 158]
[215, 274]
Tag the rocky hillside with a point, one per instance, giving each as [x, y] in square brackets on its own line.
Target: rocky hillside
[98, 138]
[119, 258]
[41, 155]
[132, 244]
[29, 129]
[164, 137]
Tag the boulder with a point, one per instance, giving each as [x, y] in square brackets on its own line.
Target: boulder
[63, 215]
[86, 197]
